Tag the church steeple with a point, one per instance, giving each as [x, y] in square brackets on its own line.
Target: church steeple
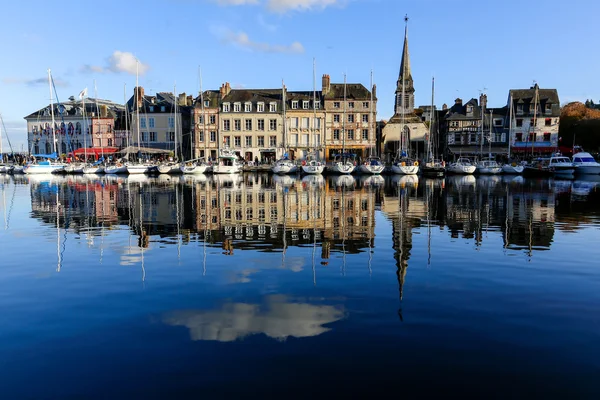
[405, 80]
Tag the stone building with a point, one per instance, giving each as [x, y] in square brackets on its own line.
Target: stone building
[251, 123]
[206, 123]
[305, 118]
[536, 118]
[74, 127]
[349, 125]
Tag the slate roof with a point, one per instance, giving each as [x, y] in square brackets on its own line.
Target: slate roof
[72, 107]
[354, 91]
[253, 96]
[526, 97]
[213, 97]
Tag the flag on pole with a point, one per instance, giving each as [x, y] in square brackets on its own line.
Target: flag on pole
[82, 94]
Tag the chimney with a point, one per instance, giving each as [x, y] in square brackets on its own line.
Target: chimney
[103, 111]
[458, 102]
[483, 101]
[138, 94]
[374, 90]
[325, 84]
[181, 99]
[225, 89]
[445, 107]
[190, 101]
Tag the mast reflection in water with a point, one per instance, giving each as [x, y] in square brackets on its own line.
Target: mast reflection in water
[180, 286]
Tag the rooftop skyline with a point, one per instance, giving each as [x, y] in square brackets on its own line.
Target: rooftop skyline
[469, 48]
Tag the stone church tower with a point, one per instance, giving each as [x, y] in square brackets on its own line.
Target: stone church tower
[405, 82]
[404, 119]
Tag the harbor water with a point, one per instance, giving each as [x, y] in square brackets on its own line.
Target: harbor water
[262, 286]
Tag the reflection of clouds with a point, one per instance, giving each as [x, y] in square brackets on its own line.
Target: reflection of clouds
[294, 264]
[276, 318]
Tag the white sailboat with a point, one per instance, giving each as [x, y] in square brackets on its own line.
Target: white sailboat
[198, 165]
[511, 167]
[47, 166]
[462, 166]
[172, 167]
[284, 165]
[312, 165]
[137, 167]
[343, 163]
[488, 165]
[372, 164]
[432, 167]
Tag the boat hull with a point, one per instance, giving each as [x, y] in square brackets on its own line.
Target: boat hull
[405, 169]
[371, 169]
[313, 169]
[433, 172]
[43, 169]
[194, 169]
[137, 169]
[512, 169]
[341, 168]
[489, 170]
[461, 169]
[115, 169]
[588, 170]
[284, 169]
[98, 169]
[227, 169]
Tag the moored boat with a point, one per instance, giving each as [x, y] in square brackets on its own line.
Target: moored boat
[462, 166]
[585, 164]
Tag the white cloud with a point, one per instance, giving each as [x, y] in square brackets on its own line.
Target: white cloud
[119, 61]
[283, 6]
[35, 82]
[242, 40]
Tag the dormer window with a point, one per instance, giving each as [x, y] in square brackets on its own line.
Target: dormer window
[151, 108]
[248, 107]
[237, 107]
[273, 107]
[225, 107]
[305, 104]
[206, 103]
[260, 107]
[317, 104]
[294, 104]
[519, 108]
[469, 109]
[162, 109]
[548, 108]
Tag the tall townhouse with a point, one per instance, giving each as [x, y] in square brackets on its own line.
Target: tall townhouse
[206, 124]
[305, 117]
[349, 125]
[251, 123]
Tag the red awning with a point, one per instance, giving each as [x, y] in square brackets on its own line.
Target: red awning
[95, 151]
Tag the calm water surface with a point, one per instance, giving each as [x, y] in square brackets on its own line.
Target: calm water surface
[260, 286]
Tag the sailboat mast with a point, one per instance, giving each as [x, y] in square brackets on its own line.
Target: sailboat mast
[534, 118]
[52, 111]
[430, 139]
[314, 107]
[98, 117]
[371, 119]
[284, 115]
[344, 121]
[137, 103]
[175, 118]
[203, 113]
[84, 130]
[482, 124]
[126, 120]
[490, 138]
[510, 118]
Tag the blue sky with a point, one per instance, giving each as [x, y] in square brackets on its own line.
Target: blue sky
[467, 45]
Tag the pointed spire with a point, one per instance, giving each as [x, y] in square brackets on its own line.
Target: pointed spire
[405, 72]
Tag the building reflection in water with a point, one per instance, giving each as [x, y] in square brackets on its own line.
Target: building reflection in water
[334, 217]
[277, 317]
